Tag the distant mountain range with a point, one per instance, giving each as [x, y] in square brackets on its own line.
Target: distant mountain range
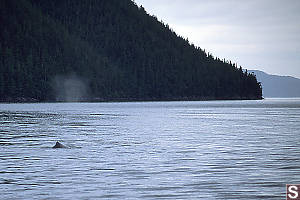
[278, 86]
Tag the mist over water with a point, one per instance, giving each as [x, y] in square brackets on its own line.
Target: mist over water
[70, 88]
[213, 150]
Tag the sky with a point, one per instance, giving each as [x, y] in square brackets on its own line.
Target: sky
[256, 34]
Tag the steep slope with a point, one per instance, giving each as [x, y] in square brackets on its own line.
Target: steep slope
[278, 86]
[112, 47]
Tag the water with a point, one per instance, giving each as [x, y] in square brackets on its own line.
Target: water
[150, 150]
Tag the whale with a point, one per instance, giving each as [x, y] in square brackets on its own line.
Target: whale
[58, 145]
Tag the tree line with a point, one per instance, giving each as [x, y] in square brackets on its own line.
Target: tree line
[118, 49]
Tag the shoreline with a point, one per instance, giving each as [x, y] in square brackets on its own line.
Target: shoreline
[116, 100]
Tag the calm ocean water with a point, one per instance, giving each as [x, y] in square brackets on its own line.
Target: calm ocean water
[150, 150]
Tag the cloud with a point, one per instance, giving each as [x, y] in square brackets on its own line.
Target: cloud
[256, 33]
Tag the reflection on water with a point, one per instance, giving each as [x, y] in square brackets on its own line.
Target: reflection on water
[151, 150]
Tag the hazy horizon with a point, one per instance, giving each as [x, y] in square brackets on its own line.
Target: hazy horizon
[258, 35]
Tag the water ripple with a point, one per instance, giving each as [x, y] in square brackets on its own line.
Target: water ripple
[153, 150]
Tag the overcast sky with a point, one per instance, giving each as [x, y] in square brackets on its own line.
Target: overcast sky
[256, 34]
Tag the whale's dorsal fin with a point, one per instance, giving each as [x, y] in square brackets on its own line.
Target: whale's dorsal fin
[58, 145]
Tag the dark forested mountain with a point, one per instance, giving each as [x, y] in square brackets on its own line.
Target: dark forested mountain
[106, 50]
[278, 86]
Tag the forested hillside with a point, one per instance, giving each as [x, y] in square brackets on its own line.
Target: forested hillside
[95, 50]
